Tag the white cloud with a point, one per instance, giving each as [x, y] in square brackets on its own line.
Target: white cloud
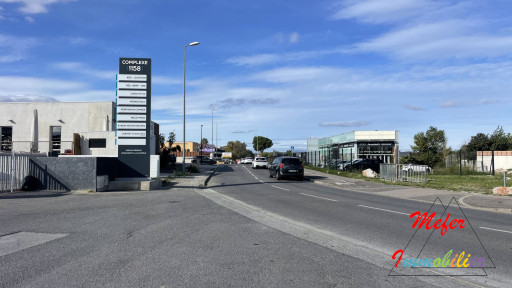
[162, 80]
[35, 6]
[43, 88]
[294, 37]
[254, 60]
[81, 68]
[442, 40]
[29, 19]
[264, 59]
[344, 124]
[414, 108]
[378, 11]
[14, 49]
[26, 98]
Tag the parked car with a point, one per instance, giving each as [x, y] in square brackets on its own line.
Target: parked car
[286, 167]
[340, 164]
[259, 162]
[248, 160]
[362, 164]
[416, 168]
[203, 160]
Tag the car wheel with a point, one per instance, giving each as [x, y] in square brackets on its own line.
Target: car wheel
[278, 175]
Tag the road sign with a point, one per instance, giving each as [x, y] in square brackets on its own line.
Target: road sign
[134, 116]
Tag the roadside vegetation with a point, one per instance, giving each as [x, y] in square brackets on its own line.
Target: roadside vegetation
[442, 179]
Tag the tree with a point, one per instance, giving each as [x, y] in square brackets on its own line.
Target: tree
[171, 139]
[260, 143]
[500, 141]
[430, 147]
[479, 142]
[176, 148]
[204, 141]
[237, 148]
[161, 140]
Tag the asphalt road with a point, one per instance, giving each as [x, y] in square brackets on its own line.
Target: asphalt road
[174, 238]
[246, 231]
[380, 224]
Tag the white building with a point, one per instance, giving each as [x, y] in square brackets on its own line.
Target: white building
[50, 127]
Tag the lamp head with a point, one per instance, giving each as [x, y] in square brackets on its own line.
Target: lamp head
[193, 44]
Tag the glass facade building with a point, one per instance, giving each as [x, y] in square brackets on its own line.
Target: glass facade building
[382, 145]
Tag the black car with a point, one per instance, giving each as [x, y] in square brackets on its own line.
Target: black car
[286, 167]
[203, 160]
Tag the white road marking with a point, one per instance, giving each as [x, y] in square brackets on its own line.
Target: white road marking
[280, 188]
[384, 210]
[22, 240]
[496, 230]
[319, 197]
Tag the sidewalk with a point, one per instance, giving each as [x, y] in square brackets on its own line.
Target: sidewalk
[469, 200]
[196, 180]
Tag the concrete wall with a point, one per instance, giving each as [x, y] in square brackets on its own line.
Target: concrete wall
[110, 150]
[74, 173]
[502, 159]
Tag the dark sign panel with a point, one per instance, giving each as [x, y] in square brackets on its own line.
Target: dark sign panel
[134, 116]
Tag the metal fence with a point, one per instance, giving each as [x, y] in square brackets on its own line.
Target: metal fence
[13, 170]
[404, 173]
[470, 161]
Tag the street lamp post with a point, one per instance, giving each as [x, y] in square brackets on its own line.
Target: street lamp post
[216, 108]
[201, 143]
[217, 135]
[184, 73]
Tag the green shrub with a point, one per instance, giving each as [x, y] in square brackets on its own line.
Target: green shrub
[193, 168]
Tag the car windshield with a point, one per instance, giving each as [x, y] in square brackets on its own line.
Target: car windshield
[292, 161]
[261, 159]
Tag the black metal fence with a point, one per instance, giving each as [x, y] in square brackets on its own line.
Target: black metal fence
[471, 161]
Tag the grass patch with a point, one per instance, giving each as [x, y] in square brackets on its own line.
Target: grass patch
[442, 179]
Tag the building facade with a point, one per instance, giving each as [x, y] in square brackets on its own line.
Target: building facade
[81, 128]
[382, 145]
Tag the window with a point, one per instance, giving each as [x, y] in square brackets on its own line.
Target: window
[292, 161]
[56, 138]
[97, 143]
[6, 138]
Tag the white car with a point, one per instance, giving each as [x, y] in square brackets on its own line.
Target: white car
[259, 162]
[248, 160]
[410, 168]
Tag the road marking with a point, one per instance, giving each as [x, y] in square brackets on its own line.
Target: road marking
[319, 197]
[384, 210]
[280, 188]
[496, 230]
[22, 240]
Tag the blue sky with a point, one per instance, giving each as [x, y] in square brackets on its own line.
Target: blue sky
[286, 70]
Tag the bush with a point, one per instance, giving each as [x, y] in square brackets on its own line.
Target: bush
[164, 157]
[193, 168]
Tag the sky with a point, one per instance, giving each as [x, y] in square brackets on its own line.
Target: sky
[285, 70]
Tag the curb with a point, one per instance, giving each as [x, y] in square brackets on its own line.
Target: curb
[210, 177]
[501, 210]
[461, 200]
